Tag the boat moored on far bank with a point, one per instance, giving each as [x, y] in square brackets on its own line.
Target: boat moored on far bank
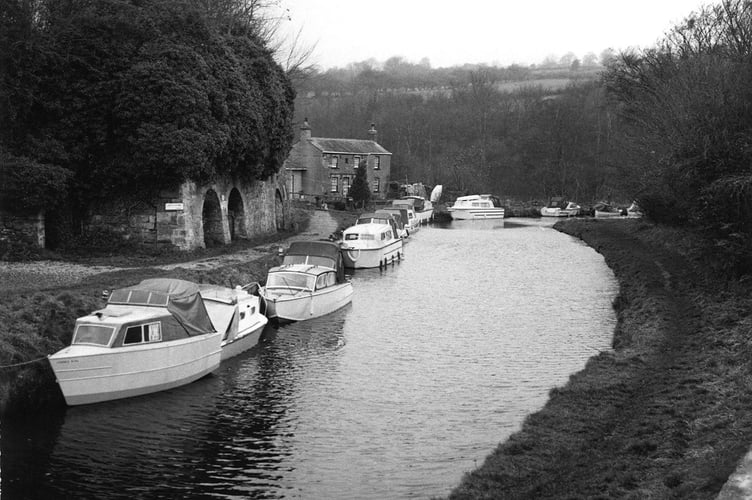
[477, 206]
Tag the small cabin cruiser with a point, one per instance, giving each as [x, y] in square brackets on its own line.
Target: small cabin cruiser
[400, 216]
[477, 206]
[237, 313]
[634, 211]
[372, 242]
[559, 207]
[603, 210]
[150, 337]
[310, 282]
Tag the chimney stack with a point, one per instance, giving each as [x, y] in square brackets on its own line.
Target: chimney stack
[305, 130]
[372, 132]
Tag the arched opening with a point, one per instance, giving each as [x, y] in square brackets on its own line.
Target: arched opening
[236, 215]
[211, 216]
[279, 212]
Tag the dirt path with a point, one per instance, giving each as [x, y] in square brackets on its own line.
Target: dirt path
[18, 277]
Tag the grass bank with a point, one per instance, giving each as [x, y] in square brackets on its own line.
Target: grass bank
[665, 414]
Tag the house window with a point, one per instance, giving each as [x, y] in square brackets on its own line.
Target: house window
[356, 161]
[334, 184]
[376, 162]
[334, 161]
[345, 186]
[376, 185]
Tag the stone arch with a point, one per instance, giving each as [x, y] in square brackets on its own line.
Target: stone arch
[211, 220]
[279, 212]
[236, 215]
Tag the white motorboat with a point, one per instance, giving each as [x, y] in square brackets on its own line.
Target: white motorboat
[237, 313]
[401, 218]
[150, 337]
[375, 243]
[310, 282]
[412, 223]
[603, 210]
[477, 206]
[634, 211]
[559, 207]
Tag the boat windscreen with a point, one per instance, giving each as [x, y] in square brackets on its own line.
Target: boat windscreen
[290, 280]
[93, 334]
[313, 260]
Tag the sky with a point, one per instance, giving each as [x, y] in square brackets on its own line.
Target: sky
[500, 32]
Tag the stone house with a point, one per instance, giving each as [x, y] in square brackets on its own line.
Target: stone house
[322, 169]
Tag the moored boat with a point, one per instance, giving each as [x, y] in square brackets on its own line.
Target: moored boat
[634, 211]
[401, 218]
[603, 210]
[477, 206]
[371, 244]
[150, 337]
[560, 207]
[309, 283]
[237, 313]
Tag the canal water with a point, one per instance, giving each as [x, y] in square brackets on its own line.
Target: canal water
[438, 359]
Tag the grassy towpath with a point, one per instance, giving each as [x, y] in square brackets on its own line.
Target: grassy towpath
[665, 414]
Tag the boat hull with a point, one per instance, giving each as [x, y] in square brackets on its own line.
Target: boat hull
[599, 214]
[476, 213]
[558, 212]
[88, 374]
[424, 216]
[243, 341]
[356, 257]
[307, 305]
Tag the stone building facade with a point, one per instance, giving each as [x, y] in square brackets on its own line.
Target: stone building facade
[323, 169]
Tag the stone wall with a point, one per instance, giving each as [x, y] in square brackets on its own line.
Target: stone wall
[198, 215]
[26, 227]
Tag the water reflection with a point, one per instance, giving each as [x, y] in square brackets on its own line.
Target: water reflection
[437, 359]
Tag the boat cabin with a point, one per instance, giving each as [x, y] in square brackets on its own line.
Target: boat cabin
[478, 201]
[156, 310]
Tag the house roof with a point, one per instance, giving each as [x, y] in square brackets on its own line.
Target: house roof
[348, 146]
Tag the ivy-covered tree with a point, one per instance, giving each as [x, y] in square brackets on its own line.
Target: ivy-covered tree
[131, 97]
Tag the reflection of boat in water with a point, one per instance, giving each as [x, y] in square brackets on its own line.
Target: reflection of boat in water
[310, 282]
[375, 243]
[559, 207]
[150, 337]
[236, 313]
[477, 206]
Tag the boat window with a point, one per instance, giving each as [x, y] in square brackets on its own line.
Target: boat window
[93, 334]
[351, 236]
[151, 332]
[321, 282]
[331, 279]
[290, 280]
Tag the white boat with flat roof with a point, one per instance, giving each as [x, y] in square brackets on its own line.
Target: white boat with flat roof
[477, 206]
[310, 282]
[237, 313]
[150, 337]
[560, 207]
[373, 242]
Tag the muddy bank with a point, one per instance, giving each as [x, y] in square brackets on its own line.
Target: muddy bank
[665, 414]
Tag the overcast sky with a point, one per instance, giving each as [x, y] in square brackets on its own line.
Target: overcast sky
[500, 32]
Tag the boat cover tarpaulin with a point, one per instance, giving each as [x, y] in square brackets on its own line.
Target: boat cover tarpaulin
[326, 249]
[183, 301]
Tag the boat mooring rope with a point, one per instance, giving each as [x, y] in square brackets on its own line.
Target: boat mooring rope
[14, 365]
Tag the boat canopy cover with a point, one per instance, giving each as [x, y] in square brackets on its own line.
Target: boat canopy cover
[182, 299]
[327, 252]
[436, 193]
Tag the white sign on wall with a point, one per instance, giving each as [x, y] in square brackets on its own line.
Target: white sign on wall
[173, 206]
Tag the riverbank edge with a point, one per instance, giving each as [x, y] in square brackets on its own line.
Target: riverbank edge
[665, 414]
[38, 322]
